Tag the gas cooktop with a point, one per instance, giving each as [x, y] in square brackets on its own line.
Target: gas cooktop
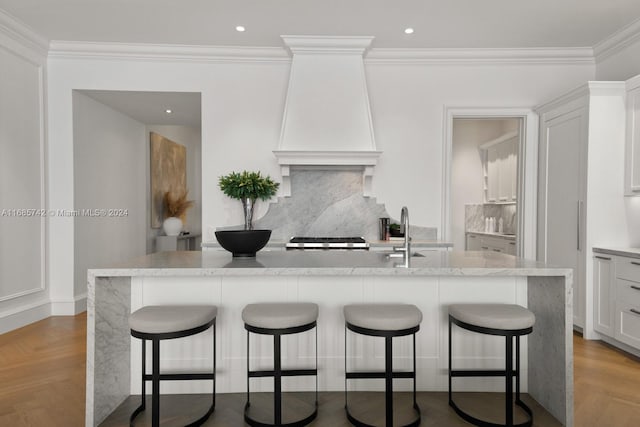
[327, 243]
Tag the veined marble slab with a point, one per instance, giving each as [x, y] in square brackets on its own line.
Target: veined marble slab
[415, 244]
[323, 263]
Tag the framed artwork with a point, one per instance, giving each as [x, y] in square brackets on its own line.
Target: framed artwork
[168, 173]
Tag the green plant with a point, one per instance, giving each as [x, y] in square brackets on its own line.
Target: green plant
[248, 185]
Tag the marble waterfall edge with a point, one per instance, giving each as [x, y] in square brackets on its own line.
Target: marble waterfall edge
[328, 203]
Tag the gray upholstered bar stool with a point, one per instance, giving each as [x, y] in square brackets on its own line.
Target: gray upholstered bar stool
[157, 323]
[388, 321]
[279, 319]
[507, 320]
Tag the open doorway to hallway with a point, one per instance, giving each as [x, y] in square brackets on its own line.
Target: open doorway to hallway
[484, 183]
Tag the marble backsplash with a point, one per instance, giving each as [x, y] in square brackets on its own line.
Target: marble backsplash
[474, 216]
[329, 203]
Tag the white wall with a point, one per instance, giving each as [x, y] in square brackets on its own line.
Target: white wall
[242, 105]
[109, 160]
[23, 292]
[191, 138]
[467, 176]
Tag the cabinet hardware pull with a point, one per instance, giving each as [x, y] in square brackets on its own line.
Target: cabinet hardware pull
[637, 288]
[485, 247]
[496, 250]
[512, 243]
[635, 263]
[472, 236]
[634, 311]
[603, 257]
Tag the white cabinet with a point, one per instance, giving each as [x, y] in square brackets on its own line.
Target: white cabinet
[482, 242]
[473, 242]
[580, 199]
[501, 159]
[627, 301]
[632, 166]
[604, 295]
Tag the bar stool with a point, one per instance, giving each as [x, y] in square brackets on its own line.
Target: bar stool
[157, 323]
[388, 321]
[507, 320]
[279, 319]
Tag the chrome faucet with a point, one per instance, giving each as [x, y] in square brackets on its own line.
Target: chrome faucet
[404, 224]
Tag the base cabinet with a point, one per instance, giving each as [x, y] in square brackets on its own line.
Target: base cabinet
[479, 242]
[616, 284]
[604, 295]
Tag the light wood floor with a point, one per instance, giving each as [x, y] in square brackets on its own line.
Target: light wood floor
[42, 384]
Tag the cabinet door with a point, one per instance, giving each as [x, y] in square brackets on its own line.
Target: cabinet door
[473, 242]
[632, 167]
[511, 248]
[513, 169]
[563, 158]
[492, 174]
[504, 178]
[604, 295]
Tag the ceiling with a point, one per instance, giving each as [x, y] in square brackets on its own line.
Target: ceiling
[437, 23]
[149, 107]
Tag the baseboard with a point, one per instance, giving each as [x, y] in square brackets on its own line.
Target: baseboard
[69, 308]
[23, 316]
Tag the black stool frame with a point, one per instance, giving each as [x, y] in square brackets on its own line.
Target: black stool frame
[509, 373]
[155, 377]
[277, 373]
[388, 374]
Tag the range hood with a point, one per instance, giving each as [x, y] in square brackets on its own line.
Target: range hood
[327, 119]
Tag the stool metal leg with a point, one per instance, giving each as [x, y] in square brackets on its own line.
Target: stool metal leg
[155, 383]
[508, 378]
[277, 380]
[388, 373]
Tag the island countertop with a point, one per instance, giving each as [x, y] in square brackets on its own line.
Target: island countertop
[329, 263]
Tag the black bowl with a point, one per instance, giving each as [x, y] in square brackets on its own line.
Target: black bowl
[243, 243]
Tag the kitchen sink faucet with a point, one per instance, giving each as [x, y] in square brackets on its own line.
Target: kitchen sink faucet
[404, 223]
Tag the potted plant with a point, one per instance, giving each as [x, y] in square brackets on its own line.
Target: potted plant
[175, 210]
[247, 187]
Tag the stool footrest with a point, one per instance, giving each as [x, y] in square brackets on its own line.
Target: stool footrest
[480, 373]
[379, 374]
[358, 423]
[284, 373]
[185, 376]
[482, 423]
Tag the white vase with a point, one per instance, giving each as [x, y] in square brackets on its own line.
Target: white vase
[172, 226]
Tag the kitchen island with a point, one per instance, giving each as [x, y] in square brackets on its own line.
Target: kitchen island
[331, 279]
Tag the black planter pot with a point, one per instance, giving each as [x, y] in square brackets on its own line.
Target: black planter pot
[243, 243]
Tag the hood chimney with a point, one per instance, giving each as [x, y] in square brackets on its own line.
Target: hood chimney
[327, 119]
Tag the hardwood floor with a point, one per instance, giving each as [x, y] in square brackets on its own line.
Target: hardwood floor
[42, 384]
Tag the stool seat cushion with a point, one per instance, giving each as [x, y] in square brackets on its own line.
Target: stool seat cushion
[506, 317]
[280, 315]
[162, 319]
[383, 317]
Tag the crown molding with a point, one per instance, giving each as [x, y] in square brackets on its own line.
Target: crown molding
[19, 38]
[617, 41]
[328, 45]
[482, 56]
[165, 52]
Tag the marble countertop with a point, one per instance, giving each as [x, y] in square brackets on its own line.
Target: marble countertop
[329, 263]
[628, 252]
[499, 235]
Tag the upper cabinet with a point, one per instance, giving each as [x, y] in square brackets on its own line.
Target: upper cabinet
[632, 166]
[501, 165]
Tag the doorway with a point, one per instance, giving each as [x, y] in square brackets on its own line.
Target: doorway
[490, 179]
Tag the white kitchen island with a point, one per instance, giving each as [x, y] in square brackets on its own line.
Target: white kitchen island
[331, 279]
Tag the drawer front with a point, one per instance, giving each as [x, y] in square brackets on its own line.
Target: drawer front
[493, 244]
[628, 324]
[628, 292]
[628, 269]
[511, 247]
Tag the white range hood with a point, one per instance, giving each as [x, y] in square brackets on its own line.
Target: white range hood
[327, 119]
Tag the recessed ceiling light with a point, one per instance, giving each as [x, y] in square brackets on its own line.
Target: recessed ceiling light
[408, 30]
[240, 28]
[168, 111]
